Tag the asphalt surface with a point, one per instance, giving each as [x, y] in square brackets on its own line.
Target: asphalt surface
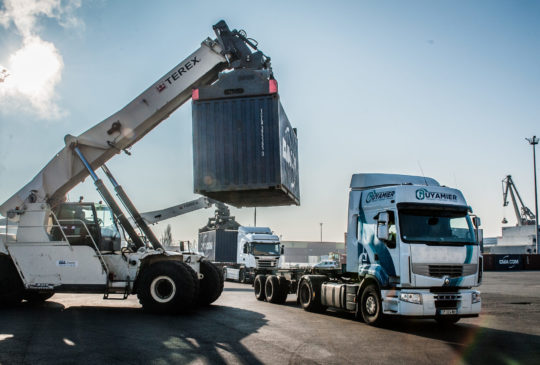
[85, 329]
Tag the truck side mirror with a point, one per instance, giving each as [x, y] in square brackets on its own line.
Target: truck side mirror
[382, 226]
[282, 249]
[476, 221]
[245, 248]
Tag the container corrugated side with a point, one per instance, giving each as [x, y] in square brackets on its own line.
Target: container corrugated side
[245, 152]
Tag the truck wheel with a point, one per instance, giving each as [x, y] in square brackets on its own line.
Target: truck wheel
[11, 286]
[310, 295]
[36, 297]
[272, 290]
[371, 305]
[284, 287]
[242, 276]
[447, 320]
[167, 287]
[259, 287]
[211, 284]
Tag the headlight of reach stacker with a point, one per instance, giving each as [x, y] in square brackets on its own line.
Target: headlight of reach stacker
[411, 298]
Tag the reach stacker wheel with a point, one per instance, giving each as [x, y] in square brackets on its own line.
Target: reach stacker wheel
[167, 287]
[211, 284]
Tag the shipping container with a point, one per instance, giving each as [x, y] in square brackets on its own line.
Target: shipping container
[245, 151]
[219, 245]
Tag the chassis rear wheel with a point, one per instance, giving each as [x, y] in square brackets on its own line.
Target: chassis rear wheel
[259, 287]
[309, 294]
[167, 287]
[272, 289]
[211, 284]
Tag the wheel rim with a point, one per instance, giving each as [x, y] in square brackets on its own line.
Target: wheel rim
[371, 305]
[304, 294]
[163, 289]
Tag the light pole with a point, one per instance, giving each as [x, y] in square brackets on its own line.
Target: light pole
[321, 230]
[533, 142]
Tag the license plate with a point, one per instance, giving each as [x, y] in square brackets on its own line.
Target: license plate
[447, 311]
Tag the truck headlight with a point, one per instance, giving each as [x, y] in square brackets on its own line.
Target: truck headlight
[476, 297]
[411, 298]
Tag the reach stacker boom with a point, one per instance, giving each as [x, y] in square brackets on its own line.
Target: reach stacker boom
[59, 246]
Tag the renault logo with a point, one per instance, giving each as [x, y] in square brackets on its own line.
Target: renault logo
[446, 281]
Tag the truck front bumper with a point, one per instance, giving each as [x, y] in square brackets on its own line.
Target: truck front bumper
[422, 303]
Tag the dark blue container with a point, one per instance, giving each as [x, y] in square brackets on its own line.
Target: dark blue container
[219, 245]
[245, 151]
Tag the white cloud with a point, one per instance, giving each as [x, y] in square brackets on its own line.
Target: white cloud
[34, 70]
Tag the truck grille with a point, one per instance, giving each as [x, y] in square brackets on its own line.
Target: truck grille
[266, 263]
[439, 271]
[447, 300]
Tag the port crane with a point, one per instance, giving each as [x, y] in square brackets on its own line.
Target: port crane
[59, 246]
[524, 216]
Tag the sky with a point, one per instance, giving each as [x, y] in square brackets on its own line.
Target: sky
[445, 89]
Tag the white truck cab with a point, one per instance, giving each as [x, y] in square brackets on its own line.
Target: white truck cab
[416, 241]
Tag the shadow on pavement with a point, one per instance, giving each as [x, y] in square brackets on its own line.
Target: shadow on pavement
[472, 344]
[475, 344]
[52, 334]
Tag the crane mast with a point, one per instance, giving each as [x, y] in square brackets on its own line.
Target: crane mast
[524, 216]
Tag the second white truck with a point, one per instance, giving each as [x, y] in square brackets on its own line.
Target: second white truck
[242, 254]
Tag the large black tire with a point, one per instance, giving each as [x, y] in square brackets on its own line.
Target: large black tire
[242, 276]
[196, 281]
[309, 293]
[258, 287]
[211, 284]
[371, 305]
[271, 289]
[167, 287]
[447, 320]
[284, 287]
[11, 286]
[35, 297]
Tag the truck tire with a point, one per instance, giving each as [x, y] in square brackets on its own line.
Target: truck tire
[211, 284]
[309, 293]
[272, 290]
[11, 286]
[242, 276]
[284, 287]
[167, 287]
[371, 305]
[35, 297]
[259, 287]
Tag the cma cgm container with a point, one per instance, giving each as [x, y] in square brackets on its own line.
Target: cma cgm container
[245, 151]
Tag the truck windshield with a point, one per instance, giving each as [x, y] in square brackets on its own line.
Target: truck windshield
[265, 248]
[435, 225]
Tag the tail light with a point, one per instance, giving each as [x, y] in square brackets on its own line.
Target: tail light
[272, 86]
